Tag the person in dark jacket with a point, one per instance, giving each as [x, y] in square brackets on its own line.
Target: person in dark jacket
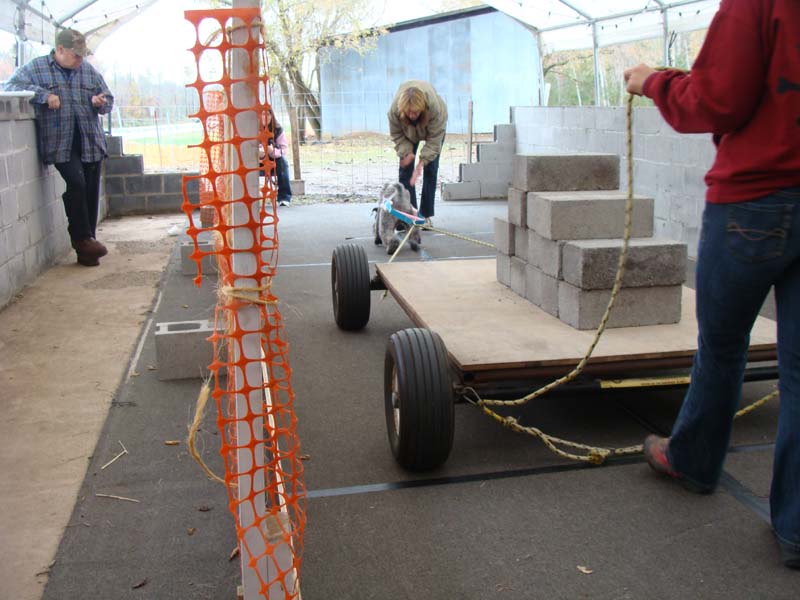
[744, 89]
[69, 95]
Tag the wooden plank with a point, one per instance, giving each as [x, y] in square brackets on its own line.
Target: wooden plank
[486, 326]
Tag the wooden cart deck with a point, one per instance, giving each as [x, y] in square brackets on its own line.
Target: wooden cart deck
[493, 333]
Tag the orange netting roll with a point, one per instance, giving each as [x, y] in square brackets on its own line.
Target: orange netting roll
[251, 371]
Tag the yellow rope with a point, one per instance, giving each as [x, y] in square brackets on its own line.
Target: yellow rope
[458, 236]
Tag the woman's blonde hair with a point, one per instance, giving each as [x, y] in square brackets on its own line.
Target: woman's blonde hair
[412, 100]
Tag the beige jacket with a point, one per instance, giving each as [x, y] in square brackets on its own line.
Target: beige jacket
[405, 136]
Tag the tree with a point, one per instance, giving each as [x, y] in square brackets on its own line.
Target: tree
[294, 32]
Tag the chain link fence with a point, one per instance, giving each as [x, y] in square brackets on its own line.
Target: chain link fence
[353, 156]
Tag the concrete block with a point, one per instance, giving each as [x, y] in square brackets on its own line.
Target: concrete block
[505, 133]
[521, 242]
[114, 185]
[634, 307]
[518, 266]
[298, 187]
[120, 206]
[164, 203]
[114, 145]
[173, 182]
[504, 269]
[144, 184]
[587, 215]
[476, 171]
[208, 262]
[183, 350]
[517, 207]
[569, 172]
[541, 289]
[545, 254]
[132, 164]
[592, 264]
[495, 152]
[504, 236]
[461, 190]
[494, 189]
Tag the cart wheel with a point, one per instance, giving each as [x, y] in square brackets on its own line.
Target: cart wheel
[350, 287]
[418, 398]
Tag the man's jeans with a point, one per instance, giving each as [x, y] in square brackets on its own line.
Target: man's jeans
[745, 249]
[429, 174]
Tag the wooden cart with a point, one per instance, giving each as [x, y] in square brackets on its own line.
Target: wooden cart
[474, 332]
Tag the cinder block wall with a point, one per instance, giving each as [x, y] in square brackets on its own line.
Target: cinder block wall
[667, 166]
[33, 226]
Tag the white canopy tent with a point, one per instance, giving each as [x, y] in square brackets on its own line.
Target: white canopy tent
[581, 24]
[559, 24]
[39, 20]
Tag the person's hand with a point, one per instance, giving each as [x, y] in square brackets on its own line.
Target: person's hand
[99, 100]
[53, 102]
[636, 76]
[407, 160]
[417, 172]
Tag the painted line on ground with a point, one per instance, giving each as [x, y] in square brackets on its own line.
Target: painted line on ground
[143, 335]
[730, 484]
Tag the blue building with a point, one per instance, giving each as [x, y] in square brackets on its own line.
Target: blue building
[477, 54]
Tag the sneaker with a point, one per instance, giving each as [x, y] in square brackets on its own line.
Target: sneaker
[284, 202]
[655, 451]
[789, 555]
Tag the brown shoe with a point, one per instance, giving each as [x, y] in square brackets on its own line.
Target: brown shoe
[88, 261]
[90, 248]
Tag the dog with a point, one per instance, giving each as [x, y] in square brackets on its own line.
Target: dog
[388, 229]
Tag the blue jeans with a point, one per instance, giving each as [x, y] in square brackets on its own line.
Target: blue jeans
[429, 174]
[284, 185]
[745, 249]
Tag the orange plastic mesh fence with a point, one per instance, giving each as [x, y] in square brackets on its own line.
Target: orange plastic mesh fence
[260, 446]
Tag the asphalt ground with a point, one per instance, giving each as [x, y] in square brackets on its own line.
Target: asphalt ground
[502, 518]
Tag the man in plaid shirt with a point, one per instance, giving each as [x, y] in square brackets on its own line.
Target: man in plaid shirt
[69, 96]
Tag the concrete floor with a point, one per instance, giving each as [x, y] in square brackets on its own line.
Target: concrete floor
[503, 518]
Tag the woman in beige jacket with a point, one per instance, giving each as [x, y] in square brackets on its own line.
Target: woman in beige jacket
[418, 114]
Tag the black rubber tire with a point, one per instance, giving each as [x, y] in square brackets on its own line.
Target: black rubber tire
[418, 399]
[350, 287]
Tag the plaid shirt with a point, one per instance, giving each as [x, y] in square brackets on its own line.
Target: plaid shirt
[75, 89]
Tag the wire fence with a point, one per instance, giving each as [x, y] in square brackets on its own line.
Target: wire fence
[352, 156]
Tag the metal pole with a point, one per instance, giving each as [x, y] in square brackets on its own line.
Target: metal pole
[469, 132]
[596, 53]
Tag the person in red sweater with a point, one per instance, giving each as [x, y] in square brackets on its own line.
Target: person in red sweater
[744, 89]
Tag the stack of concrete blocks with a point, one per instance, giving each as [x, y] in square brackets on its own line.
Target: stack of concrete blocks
[561, 243]
[490, 176]
[131, 191]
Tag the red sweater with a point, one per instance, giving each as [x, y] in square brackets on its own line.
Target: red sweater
[745, 89]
